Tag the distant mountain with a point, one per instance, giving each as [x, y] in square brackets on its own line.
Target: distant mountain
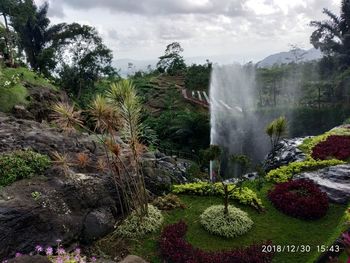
[130, 66]
[299, 55]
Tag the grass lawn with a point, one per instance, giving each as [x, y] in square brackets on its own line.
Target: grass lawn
[273, 225]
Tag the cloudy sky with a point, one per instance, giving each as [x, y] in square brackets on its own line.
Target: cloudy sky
[242, 29]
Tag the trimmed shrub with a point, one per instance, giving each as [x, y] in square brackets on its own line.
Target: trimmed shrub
[245, 196]
[168, 202]
[334, 146]
[285, 173]
[21, 164]
[174, 248]
[133, 226]
[300, 198]
[235, 223]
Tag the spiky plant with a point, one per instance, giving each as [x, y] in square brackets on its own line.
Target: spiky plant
[104, 115]
[66, 116]
[119, 91]
[123, 95]
[62, 160]
[82, 159]
[276, 130]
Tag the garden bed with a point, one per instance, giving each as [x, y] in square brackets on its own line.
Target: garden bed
[271, 225]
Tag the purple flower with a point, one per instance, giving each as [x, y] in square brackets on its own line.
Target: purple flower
[49, 251]
[93, 259]
[346, 238]
[39, 248]
[61, 251]
[59, 260]
[18, 255]
[77, 251]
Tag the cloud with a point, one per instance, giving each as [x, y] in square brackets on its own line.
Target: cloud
[142, 28]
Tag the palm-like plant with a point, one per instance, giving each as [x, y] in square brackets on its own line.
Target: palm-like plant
[333, 36]
[66, 116]
[104, 115]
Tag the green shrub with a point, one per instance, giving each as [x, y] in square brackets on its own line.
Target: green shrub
[194, 171]
[133, 226]
[168, 202]
[347, 121]
[235, 223]
[284, 173]
[21, 164]
[244, 196]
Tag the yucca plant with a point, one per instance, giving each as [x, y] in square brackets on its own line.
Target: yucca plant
[119, 111]
[62, 159]
[66, 116]
[103, 115]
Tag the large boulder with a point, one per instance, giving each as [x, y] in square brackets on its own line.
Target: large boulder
[286, 152]
[72, 208]
[334, 180]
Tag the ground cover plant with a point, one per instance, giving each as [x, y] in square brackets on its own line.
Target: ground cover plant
[21, 164]
[300, 198]
[235, 223]
[286, 172]
[134, 226]
[243, 195]
[283, 230]
[176, 249]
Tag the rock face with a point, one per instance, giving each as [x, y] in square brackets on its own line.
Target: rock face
[286, 152]
[71, 208]
[335, 181]
[79, 207]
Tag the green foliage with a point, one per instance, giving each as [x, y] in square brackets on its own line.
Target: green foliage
[168, 202]
[331, 36]
[197, 77]
[36, 195]
[235, 223]
[172, 62]
[134, 226]
[243, 195]
[285, 173]
[347, 121]
[194, 171]
[276, 130]
[21, 164]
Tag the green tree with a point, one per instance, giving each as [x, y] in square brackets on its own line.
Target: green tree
[172, 62]
[82, 57]
[333, 36]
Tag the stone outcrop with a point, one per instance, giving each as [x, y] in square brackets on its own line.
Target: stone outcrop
[287, 151]
[80, 206]
[335, 181]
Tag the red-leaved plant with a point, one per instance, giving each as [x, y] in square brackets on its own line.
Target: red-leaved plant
[300, 198]
[335, 146]
[176, 249]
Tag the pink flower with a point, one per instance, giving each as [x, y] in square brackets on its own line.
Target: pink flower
[346, 238]
[93, 259]
[77, 251]
[18, 255]
[39, 248]
[49, 251]
[61, 251]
